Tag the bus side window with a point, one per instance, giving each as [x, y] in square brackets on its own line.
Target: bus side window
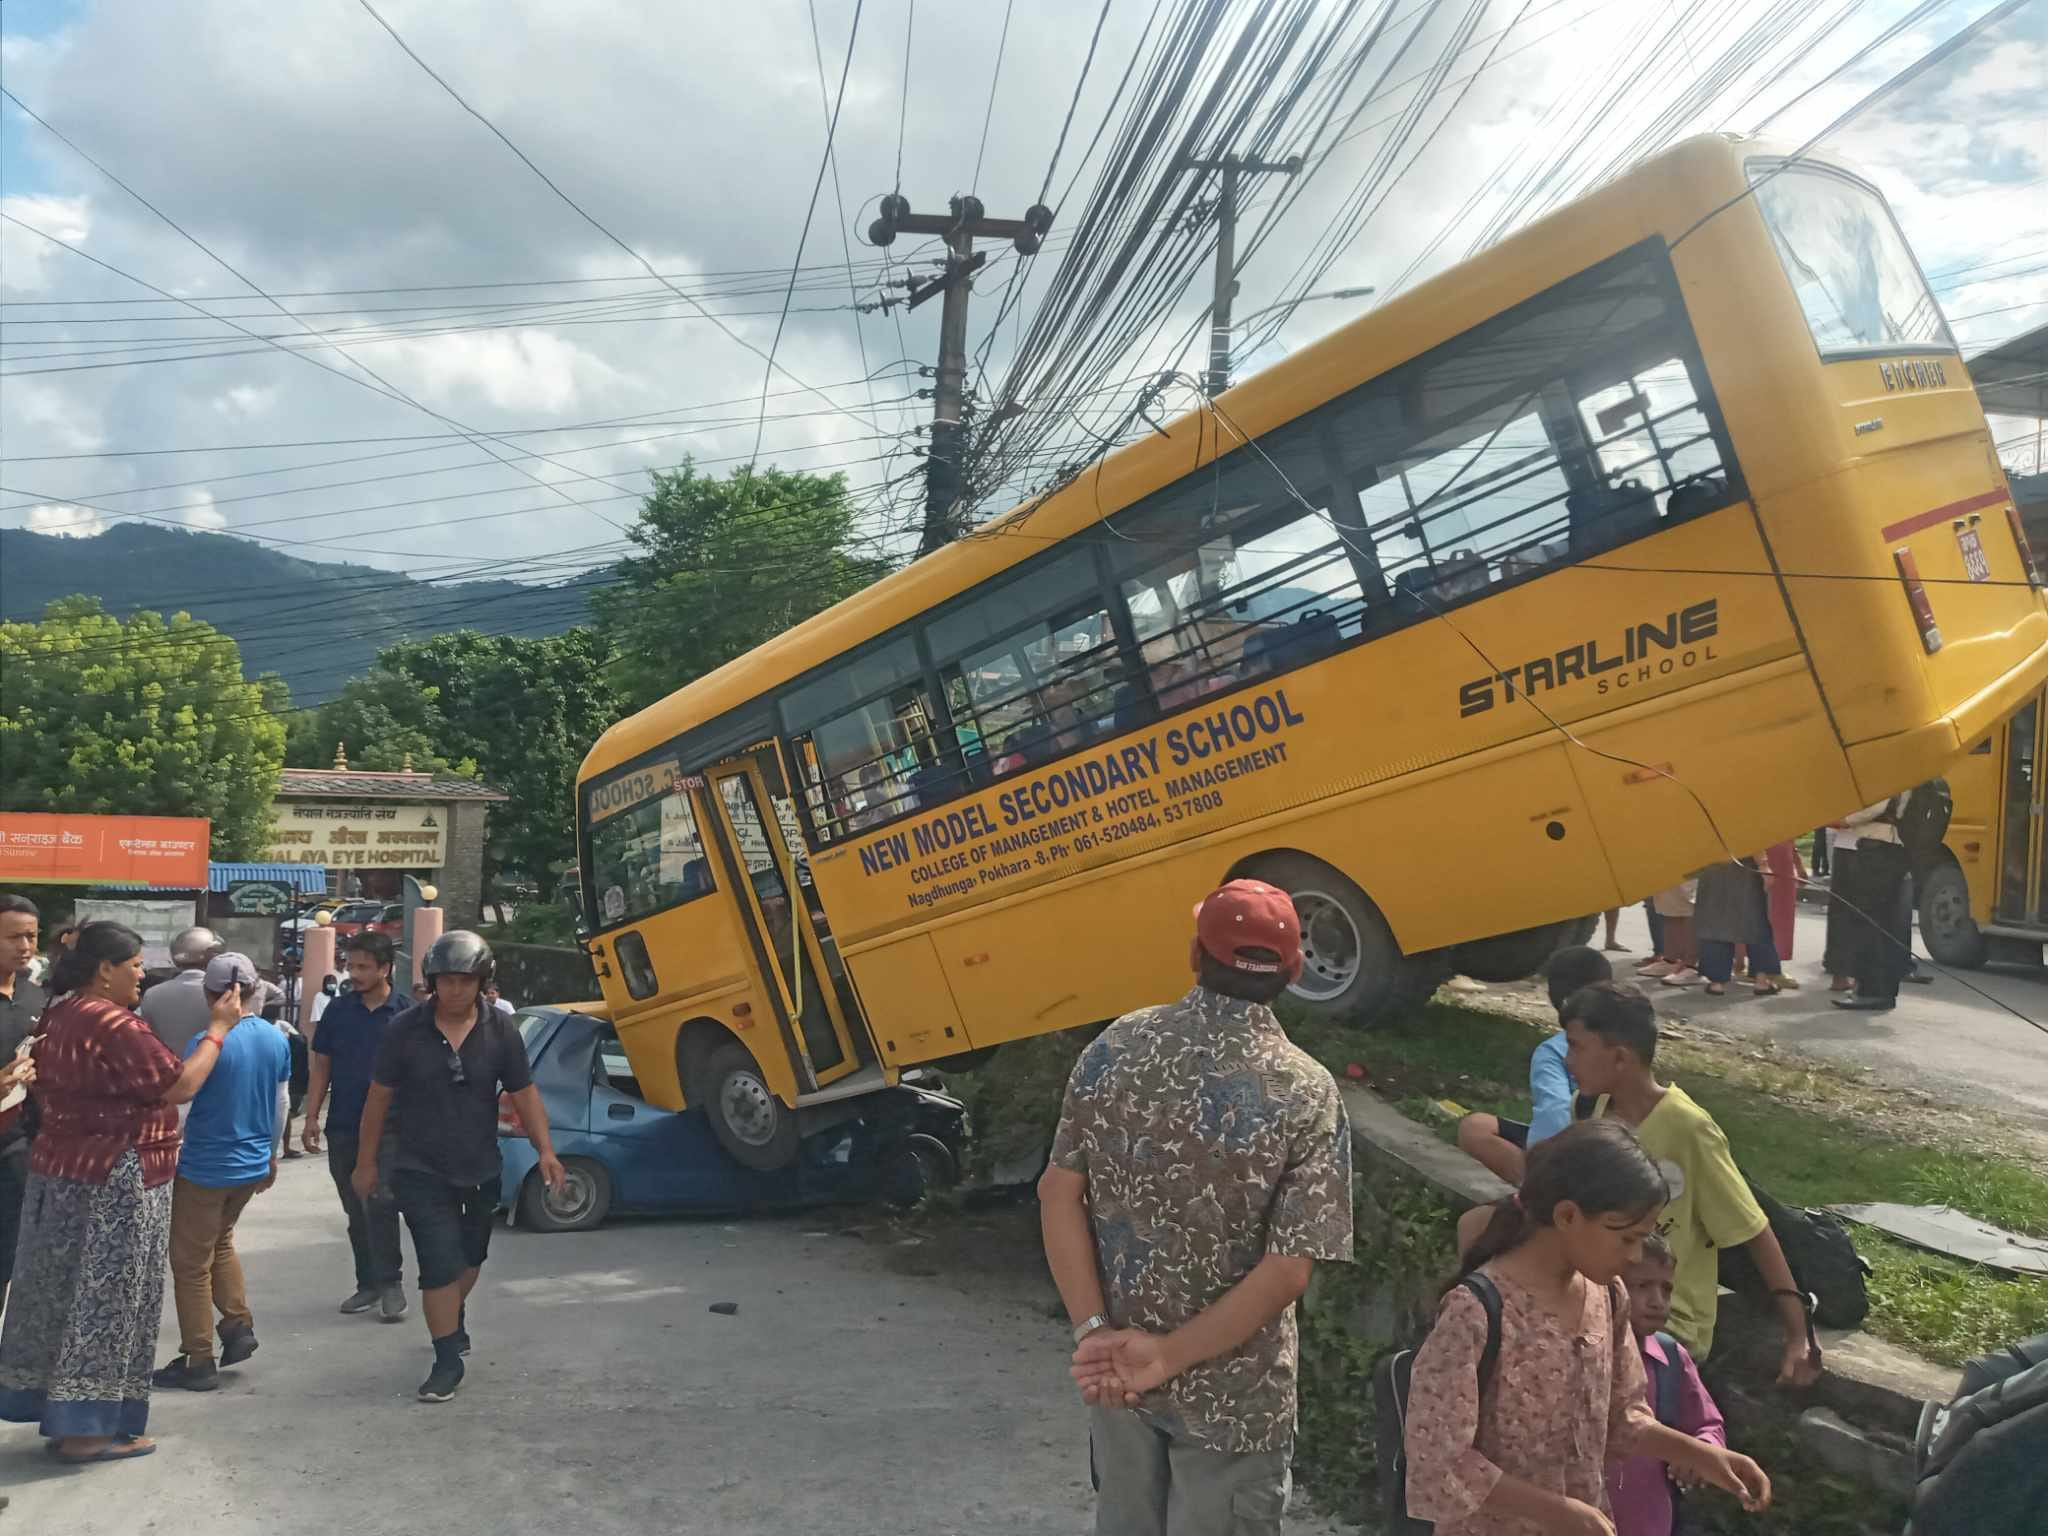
[866, 738]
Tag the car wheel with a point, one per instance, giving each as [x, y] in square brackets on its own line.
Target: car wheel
[585, 1200]
[756, 1129]
[921, 1165]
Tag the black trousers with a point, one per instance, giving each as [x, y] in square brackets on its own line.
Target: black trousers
[1881, 925]
[1839, 958]
[372, 1225]
[13, 1184]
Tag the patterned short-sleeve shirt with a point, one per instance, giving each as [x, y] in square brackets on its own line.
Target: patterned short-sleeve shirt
[1208, 1140]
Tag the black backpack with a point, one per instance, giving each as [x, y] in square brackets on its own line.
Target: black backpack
[1390, 1417]
[1923, 821]
[1978, 1466]
[1824, 1262]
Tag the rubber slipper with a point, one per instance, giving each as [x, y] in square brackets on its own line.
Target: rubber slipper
[120, 1450]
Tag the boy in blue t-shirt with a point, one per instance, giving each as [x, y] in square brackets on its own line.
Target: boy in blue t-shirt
[1501, 1144]
[229, 1155]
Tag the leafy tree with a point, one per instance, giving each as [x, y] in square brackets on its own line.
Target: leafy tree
[143, 717]
[724, 565]
[519, 713]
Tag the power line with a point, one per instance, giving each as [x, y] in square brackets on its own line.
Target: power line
[577, 208]
[994, 79]
[810, 211]
[903, 101]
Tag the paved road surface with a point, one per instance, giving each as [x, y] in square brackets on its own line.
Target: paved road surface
[848, 1396]
[1942, 1038]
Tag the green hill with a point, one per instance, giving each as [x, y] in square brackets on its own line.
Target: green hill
[315, 624]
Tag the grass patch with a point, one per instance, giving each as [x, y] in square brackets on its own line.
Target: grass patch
[1833, 1142]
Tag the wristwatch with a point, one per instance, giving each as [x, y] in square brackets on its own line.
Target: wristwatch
[1089, 1325]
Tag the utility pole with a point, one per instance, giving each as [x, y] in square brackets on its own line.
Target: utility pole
[958, 228]
[1231, 168]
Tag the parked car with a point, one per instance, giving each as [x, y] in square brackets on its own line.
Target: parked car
[385, 917]
[623, 1154]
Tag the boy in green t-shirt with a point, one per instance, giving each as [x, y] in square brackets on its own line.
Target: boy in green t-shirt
[1611, 1031]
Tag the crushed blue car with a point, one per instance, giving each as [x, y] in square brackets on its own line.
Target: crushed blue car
[624, 1155]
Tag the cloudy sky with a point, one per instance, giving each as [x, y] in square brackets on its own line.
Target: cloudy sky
[295, 141]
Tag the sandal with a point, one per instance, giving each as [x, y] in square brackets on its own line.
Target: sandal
[1767, 986]
[128, 1448]
[1716, 989]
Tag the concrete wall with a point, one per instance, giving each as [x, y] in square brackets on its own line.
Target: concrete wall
[461, 877]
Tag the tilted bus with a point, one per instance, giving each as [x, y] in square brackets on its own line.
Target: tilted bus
[1668, 526]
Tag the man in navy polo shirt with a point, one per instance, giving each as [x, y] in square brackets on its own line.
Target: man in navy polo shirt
[345, 1046]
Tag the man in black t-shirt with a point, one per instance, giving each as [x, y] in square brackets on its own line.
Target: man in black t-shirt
[21, 1004]
[440, 1067]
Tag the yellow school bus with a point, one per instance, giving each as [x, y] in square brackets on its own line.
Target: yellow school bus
[1982, 898]
[1668, 526]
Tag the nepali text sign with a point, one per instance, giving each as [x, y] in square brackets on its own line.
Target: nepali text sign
[357, 834]
[168, 852]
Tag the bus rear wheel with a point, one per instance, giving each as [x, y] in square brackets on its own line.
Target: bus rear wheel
[1951, 934]
[756, 1129]
[1352, 967]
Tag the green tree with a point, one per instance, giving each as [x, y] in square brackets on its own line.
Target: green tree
[143, 717]
[519, 713]
[723, 565]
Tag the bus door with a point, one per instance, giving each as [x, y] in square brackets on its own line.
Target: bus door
[2022, 818]
[803, 964]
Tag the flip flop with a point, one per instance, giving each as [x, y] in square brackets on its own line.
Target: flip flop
[120, 1450]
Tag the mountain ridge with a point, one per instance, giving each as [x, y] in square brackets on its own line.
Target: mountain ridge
[314, 623]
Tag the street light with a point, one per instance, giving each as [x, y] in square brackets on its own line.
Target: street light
[1334, 293]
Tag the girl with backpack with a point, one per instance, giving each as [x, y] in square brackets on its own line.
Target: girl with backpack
[1531, 1378]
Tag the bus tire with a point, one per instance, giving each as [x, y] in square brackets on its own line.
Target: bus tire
[1512, 956]
[1352, 966]
[1950, 933]
[756, 1129]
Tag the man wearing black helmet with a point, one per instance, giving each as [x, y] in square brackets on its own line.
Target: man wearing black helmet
[440, 1067]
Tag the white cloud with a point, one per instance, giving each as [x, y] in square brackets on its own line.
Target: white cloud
[245, 400]
[200, 512]
[64, 520]
[530, 371]
[27, 263]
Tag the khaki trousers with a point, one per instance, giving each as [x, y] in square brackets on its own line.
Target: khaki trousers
[1149, 1484]
[205, 1272]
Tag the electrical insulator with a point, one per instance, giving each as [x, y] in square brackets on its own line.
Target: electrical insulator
[1037, 220]
[895, 207]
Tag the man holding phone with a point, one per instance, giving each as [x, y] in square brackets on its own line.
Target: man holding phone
[440, 1068]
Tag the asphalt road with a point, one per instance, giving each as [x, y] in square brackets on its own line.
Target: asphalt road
[868, 1383]
[1944, 1038]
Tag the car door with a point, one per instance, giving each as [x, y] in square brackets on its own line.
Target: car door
[659, 1159]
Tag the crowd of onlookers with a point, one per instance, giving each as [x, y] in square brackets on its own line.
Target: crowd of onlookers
[136, 1130]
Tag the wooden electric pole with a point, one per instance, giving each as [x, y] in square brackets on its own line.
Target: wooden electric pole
[958, 228]
[1231, 168]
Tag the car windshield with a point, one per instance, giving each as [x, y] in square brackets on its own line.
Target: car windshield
[531, 1027]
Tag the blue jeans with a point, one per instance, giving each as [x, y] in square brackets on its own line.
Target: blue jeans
[1717, 958]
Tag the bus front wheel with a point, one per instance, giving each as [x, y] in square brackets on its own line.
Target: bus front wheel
[1951, 934]
[757, 1129]
[1352, 967]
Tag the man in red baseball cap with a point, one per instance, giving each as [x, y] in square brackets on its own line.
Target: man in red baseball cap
[1201, 1168]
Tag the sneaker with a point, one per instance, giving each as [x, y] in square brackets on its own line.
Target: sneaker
[362, 1301]
[462, 1341]
[182, 1372]
[236, 1344]
[442, 1384]
[391, 1303]
[1684, 976]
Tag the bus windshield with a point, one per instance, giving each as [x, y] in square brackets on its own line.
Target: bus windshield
[1857, 283]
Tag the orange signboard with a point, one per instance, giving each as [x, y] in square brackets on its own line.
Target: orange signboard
[168, 852]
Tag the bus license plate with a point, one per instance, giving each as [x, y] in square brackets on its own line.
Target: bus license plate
[1973, 554]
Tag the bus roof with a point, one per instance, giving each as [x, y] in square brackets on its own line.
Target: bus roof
[1662, 195]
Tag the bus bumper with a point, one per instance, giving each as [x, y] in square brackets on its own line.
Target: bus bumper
[1890, 764]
